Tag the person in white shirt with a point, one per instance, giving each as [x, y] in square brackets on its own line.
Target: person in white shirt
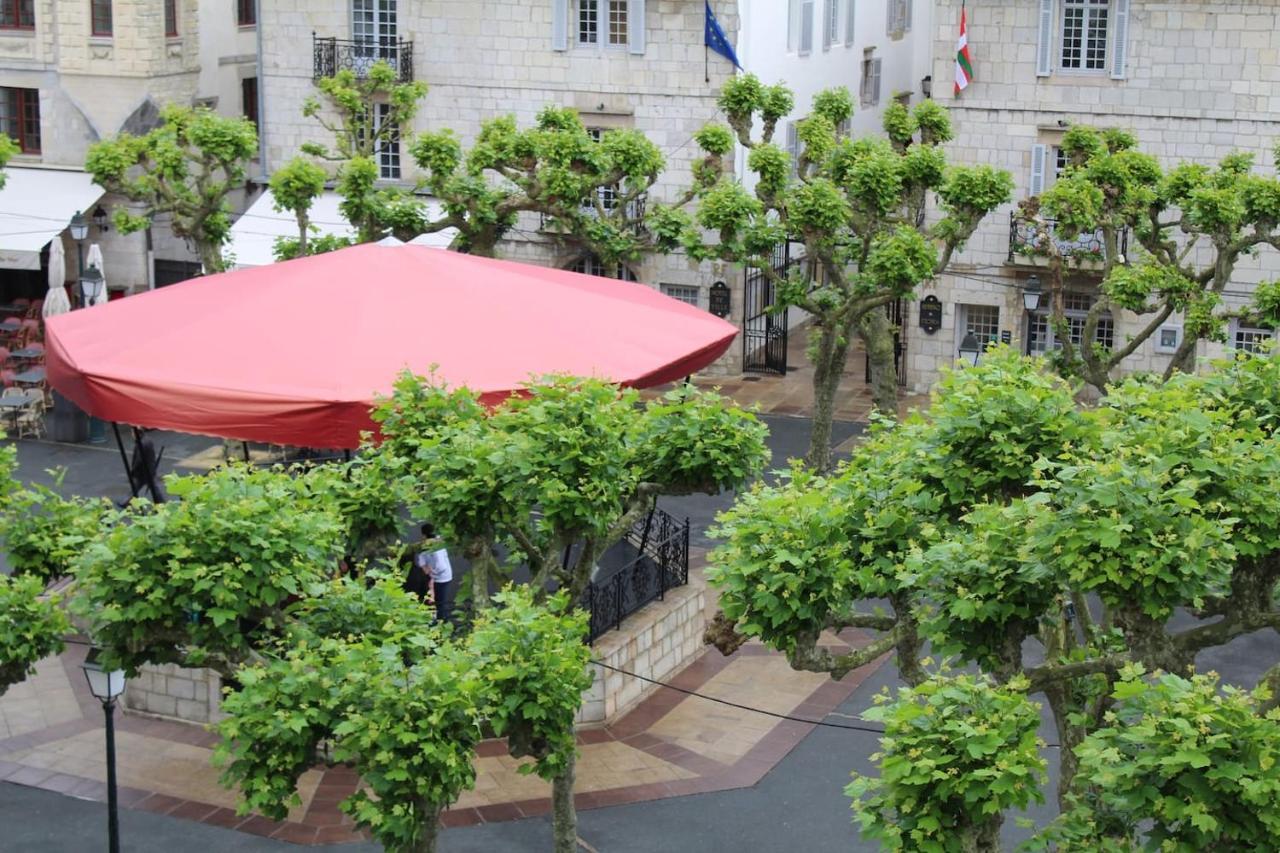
[435, 564]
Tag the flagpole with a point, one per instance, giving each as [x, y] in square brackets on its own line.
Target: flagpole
[706, 61]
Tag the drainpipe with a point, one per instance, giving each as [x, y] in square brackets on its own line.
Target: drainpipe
[262, 97]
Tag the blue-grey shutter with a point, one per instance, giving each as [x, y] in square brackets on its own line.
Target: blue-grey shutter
[906, 23]
[1039, 158]
[850, 16]
[560, 24]
[635, 26]
[1044, 40]
[1120, 48]
[828, 7]
[875, 90]
[806, 27]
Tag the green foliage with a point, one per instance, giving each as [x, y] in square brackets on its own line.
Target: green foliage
[990, 423]
[956, 753]
[296, 185]
[1181, 765]
[360, 493]
[8, 148]
[533, 663]
[44, 532]
[288, 248]
[203, 579]
[183, 170]
[690, 441]
[31, 627]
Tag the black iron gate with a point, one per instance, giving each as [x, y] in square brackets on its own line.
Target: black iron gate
[764, 333]
[897, 312]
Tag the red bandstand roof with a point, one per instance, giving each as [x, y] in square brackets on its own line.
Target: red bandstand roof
[295, 353]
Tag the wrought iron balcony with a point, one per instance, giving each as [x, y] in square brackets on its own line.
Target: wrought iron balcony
[634, 213]
[333, 55]
[1085, 249]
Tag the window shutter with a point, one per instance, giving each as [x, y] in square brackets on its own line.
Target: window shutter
[560, 24]
[875, 89]
[793, 25]
[906, 15]
[1120, 49]
[850, 16]
[828, 6]
[635, 26]
[806, 26]
[1039, 157]
[1044, 44]
[890, 12]
[793, 145]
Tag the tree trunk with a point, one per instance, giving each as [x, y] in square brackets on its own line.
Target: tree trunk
[908, 645]
[302, 233]
[1069, 737]
[877, 335]
[564, 815]
[983, 838]
[828, 366]
[430, 829]
[210, 257]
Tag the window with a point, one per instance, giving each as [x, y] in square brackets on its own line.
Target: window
[684, 292]
[388, 145]
[1251, 339]
[170, 18]
[246, 13]
[249, 99]
[831, 24]
[20, 117]
[608, 196]
[1168, 338]
[603, 22]
[592, 265]
[844, 130]
[800, 26]
[898, 17]
[100, 17]
[981, 321]
[17, 14]
[374, 22]
[870, 90]
[1084, 35]
[1041, 336]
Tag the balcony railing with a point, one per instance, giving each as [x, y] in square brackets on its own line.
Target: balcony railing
[634, 213]
[333, 55]
[1084, 248]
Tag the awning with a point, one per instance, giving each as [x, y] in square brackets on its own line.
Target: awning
[297, 352]
[35, 206]
[253, 236]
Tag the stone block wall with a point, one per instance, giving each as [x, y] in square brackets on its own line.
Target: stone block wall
[167, 690]
[655, 642]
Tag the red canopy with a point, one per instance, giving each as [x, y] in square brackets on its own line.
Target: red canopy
[294, 353]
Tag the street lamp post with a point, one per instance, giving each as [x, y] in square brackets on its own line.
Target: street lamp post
[106, 686]
[970, 349]
[1031, 293]
[79, 228]
[90, 285]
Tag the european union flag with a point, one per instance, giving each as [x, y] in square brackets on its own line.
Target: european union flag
[716, 40]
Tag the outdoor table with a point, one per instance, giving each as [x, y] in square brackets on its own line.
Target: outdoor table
[11, 407]
[10, 308]
[27, 352]
[30, 377]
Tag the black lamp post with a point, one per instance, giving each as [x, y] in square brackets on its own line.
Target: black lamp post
[1031, 293]
[79, 228]
[106, 686]
[90, 286]
[970, 349]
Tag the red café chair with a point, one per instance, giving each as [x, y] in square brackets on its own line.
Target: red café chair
[33, 311]
[4, 356]
[34, 327]
[7, 378]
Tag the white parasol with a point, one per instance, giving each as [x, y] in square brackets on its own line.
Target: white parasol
[94, 259]
[55, 301]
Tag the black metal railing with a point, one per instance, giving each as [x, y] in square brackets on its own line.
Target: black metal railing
[332, 55]
[633, 214]
[1024, 243]
[662, 563]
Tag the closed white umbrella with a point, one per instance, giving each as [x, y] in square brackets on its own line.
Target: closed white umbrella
[94, 259]
[55, 301]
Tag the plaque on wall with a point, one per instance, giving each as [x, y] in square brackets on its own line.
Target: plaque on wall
[930, 314]
[719, 299]
[1006, 336]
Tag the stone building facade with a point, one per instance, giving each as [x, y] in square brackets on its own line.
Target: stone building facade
[1193, 81]
[72, 73]
[628, 64]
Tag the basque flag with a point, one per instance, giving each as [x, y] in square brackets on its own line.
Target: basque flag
[716, 40]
